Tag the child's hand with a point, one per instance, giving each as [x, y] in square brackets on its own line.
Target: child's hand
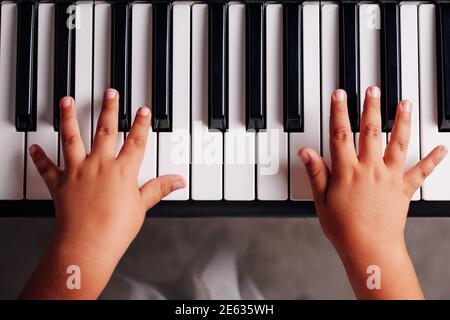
[99, 205]
[362, 203]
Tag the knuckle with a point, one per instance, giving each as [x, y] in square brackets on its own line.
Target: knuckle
[313, 171]
[424, 172]
[371, 130]
[402, 146]
[137, 141]
[341, 134]
[69, 139]
[105, 130]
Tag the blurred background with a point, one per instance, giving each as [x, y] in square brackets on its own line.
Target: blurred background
[228, 259]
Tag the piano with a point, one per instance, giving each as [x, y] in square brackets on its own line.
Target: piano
[235, 87]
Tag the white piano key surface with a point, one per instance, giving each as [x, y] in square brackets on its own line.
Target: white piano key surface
[239, 167]
[45, 136]
[300, 188]
[141, 83]
[13, 143]
[272, 144]
[207, 146]
[174, 147]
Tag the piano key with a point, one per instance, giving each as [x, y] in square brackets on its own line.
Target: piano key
[330, 69]
[348, 62]
[83, 71]
[254, 72]
[121, 60]
[300, 188]
[174, 147]
[64, 57]
[13, 143]
[44, 136]
[26, 66]
[162, 73]
[292, 68]
[102, 63]
[217, 71]
[369, 56]
[443, 65]
[207, 145]
[272, 143]
[239, 167]
[141, 86]
[435, 186]
[390, 64]
[409, 59]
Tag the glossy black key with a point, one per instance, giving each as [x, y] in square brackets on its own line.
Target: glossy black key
[26, 70]
[217, 68]
[64, 59]
[292, 68]
[443, 65]
[121, 60]
[390, 63]
[255, 111]
[162, 65]
[348, 59]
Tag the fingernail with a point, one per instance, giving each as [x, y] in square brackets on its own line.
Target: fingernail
[374, 92]
[66, 102]
[443, 151]
[178, 184]
[340, 95]
[305, 157]
[33, 149]
[406, 106]
[110, 94]
[144, 111]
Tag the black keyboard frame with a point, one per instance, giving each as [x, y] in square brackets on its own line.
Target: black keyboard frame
[222, 208]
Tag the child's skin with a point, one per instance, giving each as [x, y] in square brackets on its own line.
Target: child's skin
[362, 202]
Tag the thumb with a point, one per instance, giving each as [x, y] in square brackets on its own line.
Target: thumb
[318, 172]
[158, 188]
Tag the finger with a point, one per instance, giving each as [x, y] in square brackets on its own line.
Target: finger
[133, 149]
[105, 140]
[370, 128]
[416, 175]
[46, 168]
[156, 189]
[397, 148]
[73, 148]
[341, 138]
[318, 172]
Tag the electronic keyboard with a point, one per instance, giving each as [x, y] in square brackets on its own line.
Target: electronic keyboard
[236, 89]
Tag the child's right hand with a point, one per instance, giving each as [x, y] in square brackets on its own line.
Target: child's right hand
[362, 203]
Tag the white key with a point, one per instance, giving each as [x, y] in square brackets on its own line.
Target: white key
[410, 78]
[330, 69]
[141, 94]
[13, 143]
[435, 186]
[102, 63]
[300, 188]
[45, 136]
[369, 55]
[207, 147]
[83, 72]
[174, 147]
[272, 144]
[239, 169]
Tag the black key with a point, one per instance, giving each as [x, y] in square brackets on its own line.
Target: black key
[255, 111]
[292, 68]
[64, 59]
[162, 68]
[390, 64]
[443, 65]
[26, 70]
[348, 59]
[121, 60]
[217, 70]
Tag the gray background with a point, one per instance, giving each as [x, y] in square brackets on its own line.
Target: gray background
[285, 258]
